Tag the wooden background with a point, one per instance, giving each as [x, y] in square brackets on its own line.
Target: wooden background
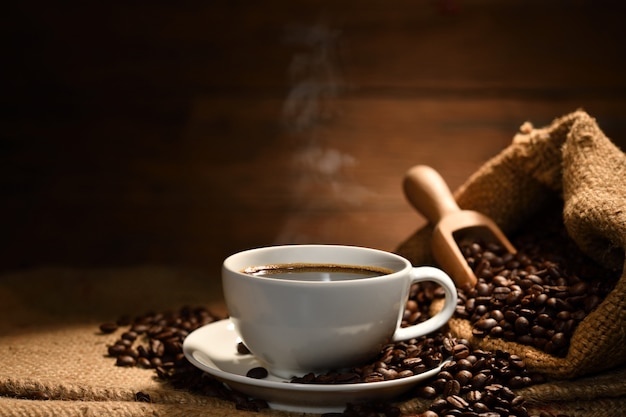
[175, 133]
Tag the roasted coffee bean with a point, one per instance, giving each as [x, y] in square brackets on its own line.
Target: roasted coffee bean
[486, 324]
[125, 360]
[116, 350]
[144, 362]
[242, 349]
[474, 396]
[466, 363]
[157, 348]
[108, 327]
[479, 381]
[452, 387]
[439, 406]
[457, 401]
[463, 377]
[427, 392]
[461, 351]
[257, 373]
[529, 298]
[130, 335]
[156, 362]
[388, 374]
[132, 352]
[372, 377]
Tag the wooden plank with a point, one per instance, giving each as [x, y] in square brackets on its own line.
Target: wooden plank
[236, 186]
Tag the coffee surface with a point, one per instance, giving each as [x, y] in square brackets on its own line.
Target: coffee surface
[317, 272]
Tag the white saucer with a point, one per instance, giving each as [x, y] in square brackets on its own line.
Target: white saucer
[213, 348]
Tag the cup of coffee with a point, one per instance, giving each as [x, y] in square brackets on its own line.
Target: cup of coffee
[316, 308]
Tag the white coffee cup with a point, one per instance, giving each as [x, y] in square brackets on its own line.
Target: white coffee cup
[295, 326]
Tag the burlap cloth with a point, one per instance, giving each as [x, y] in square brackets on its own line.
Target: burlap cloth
[50, 346]
[573, 161]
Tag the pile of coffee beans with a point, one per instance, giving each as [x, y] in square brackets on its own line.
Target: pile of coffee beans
[478, 383]
[163, 333]
[155, 340]
[537, 296]
[396, 360]
[521, 300]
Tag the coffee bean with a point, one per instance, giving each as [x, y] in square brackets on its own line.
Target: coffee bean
[108, 327]
[522, 325]
[463, 377]
[452, 387]
[125, 360]
[405, 373]
[559, 340]
[466, 363]
[579, 288]
[438, 406]
[257, 373]
[372, 377]
[528, 296]
[461, 351]
[144, 362]
[474, 396]
[479, 381]
[388, 374]
[457, 401]
[116, 349]
[427, 392]
[130, 335]
[156, 362]
[486, 324]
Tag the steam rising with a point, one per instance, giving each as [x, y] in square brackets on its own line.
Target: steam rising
[319, 179]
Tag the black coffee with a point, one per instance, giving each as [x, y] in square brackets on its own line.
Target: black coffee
[317, 272]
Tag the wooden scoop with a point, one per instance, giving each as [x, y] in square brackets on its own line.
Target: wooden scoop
[429, 194]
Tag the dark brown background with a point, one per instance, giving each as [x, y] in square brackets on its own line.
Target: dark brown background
[175, 133]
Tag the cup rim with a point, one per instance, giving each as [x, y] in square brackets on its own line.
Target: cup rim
[395, 257]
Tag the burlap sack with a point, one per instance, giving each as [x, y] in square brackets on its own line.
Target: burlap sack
[571, 159]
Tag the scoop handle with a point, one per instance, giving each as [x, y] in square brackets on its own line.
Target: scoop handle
[427, 191]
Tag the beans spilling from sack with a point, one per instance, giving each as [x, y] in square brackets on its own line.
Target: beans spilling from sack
[478, 383]
[536, 297]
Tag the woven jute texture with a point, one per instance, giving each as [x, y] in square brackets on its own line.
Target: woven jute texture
[571, 159]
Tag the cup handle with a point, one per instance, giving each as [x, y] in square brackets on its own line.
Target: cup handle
[428, 273]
